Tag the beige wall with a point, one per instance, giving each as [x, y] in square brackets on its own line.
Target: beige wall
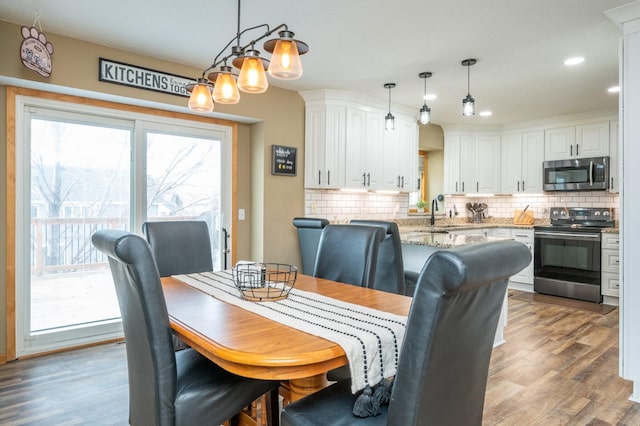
[270, 201]
[431, 139]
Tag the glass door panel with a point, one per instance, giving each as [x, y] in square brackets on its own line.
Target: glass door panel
[184, 182]
[79, 181]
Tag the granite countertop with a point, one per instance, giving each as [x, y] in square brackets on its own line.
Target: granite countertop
[445, 240]
[610, 230]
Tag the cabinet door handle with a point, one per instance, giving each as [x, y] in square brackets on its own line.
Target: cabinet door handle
[571, 150]
[319, 177]
[456, 186]
[328, 177]
[398, 184]
[518, 186]
[611, 187]
[477, 186]
[368, 179]
[402, 182]
[418, 187]
[364, 179]
[462, 186]
[577, 149]
[522, 185]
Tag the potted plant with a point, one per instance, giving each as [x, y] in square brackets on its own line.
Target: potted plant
[420, 205]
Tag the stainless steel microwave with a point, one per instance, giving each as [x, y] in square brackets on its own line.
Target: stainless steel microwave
[580, 174]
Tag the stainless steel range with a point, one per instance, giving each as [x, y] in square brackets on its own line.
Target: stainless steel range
[567, 253]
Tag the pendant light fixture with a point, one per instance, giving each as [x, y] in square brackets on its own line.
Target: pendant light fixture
[389, 119]
[425, 111]
[285, 64]
[468, 103]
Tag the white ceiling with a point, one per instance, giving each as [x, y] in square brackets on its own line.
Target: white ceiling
[359, 45]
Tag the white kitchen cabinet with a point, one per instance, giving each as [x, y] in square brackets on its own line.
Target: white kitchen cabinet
[480, 164]
[325, 142]
[610, 264]
[582, 141]
[524, 236]
[400, 172]
[592, 140]
[472, 163]
[614, 165]
[522, 157]
[452, 164]
[364, 148]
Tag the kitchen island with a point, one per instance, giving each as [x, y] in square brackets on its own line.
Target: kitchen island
[418, 246]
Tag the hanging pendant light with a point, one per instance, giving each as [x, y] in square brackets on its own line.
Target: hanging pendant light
[223, 84]
[389, 119]
[425, 111]
[285, 56]
[468, 103]
[225, 89]
[200, 99]
[252, 78]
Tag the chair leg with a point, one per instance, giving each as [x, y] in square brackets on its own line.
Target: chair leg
[273, 408]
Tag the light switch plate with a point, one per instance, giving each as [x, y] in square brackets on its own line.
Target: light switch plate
[240, 214]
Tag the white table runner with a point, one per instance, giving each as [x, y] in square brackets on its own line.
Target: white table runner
[371, 338]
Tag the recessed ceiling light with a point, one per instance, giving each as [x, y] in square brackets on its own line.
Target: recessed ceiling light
[486, 114]
[430, 96]
[574, 61]
[614, 89]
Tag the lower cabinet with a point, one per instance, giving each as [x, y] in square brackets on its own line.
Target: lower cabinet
[524, 236]
[610, 264]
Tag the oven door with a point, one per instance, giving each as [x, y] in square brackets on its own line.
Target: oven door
[568, 264]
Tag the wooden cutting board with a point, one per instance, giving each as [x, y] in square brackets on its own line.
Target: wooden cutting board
[520, 218]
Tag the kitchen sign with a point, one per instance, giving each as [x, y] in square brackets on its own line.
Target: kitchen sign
[283, 160]
[142, 78]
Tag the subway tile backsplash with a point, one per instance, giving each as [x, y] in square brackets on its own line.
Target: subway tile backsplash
[342, 206]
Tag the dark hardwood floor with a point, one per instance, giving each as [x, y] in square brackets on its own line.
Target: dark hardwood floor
[559, 366]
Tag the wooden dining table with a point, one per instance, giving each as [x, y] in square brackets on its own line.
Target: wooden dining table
[251, 345]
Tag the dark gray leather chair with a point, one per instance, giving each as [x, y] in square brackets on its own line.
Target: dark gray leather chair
[167, 387]
[309, 231]
[390, 266]
[348, 254]
[443, 368]
[180, 247]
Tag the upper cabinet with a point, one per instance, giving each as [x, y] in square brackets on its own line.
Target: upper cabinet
[614, 169]
[582, 141]
[325, 143]
[346, 145]
[472, 163]
[522, 157]
[452, 183]
[364, 148]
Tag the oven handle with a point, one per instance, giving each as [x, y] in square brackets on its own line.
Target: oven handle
[591, 173]
[566, 235]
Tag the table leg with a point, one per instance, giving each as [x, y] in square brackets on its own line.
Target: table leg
[296, 389]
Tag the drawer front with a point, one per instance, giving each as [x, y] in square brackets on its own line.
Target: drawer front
[611, 241]
[610, 261]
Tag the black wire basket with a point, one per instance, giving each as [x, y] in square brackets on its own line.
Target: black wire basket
[264, 282]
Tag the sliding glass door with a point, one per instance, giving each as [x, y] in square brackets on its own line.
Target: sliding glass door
[79, 171]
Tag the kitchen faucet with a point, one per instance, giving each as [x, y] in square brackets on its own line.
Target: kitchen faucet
[434, 206]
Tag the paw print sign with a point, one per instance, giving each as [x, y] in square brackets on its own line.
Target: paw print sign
[36, 51]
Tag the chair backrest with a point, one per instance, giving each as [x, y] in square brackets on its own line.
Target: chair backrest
[444, 364]
[390, 265]
[309, 231]
[180, 247]
[151, 361]
[348, 254]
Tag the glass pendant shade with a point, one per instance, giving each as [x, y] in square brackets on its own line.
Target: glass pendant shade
[425, 114]
[389, 122]
[468, 106]
[201, 100]
[285, 61]
[252, 78]
[225, 89]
